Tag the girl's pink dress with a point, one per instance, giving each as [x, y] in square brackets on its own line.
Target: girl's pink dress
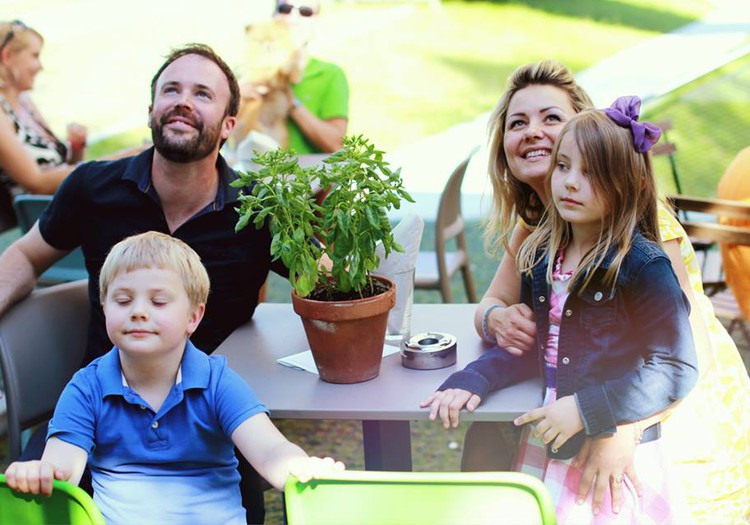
[662, 501]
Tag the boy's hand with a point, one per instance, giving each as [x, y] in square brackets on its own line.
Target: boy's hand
[448, 404]
[33, 476]
[307, 468]
[558, 421]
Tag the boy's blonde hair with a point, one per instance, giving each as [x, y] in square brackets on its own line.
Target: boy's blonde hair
[156, 250]
[622, 177]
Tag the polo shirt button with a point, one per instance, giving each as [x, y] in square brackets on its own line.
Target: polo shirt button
[155, 425]
[565, 360]
[143, 407]
[598, 296]
[541, 299]
[568, 312]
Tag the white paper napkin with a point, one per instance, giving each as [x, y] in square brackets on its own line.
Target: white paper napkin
[304, 360]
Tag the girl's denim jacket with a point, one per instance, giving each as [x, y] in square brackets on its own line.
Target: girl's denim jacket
[625, 354]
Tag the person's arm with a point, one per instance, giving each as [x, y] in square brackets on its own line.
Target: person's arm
[510, 324]
[273, 456]
[22, 263]
[669, 370]
[326, 131]
[495, 369]
[326, 135]
[703, 347]
[60, 460]
[23, 169]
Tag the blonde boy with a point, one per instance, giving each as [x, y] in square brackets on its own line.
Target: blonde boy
[157, 419]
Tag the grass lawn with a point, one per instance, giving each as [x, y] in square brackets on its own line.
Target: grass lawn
[414, 69]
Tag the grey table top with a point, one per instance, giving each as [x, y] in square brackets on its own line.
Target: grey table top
[276, 331]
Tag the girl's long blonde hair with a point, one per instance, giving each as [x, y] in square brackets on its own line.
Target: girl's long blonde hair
[511, 197]
[619, 175]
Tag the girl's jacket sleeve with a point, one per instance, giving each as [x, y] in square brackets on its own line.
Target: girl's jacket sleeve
[495, 369]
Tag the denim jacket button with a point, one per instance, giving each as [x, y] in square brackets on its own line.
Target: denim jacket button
[568, 312]
[598, 296]
[565, 360]
[541, 299]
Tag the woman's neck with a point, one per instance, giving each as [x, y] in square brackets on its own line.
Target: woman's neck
[12, 96]
[541, 192]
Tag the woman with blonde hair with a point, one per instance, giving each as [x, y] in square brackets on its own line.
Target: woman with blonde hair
[32, 158]
[708, 434]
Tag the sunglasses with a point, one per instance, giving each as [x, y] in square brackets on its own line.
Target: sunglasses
[15, 25]
[285, 9]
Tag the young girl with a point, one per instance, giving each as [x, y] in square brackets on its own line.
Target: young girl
[612, 323]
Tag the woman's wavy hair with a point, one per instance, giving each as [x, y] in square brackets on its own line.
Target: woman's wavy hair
[511, 197]
[622, 177]
[19, 40]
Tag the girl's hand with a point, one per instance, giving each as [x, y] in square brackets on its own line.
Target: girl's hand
[307, 468]
[448, 404]
[557, 422]
[514, 328]
[605, 462]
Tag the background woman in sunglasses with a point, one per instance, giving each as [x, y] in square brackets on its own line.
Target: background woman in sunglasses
[319, 113]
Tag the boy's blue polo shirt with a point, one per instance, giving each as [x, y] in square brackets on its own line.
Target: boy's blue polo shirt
[176, 465]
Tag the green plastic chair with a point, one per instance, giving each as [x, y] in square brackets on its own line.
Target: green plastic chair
[67, 504]
[429, 498]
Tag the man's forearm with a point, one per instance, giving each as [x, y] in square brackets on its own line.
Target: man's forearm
[17, 277]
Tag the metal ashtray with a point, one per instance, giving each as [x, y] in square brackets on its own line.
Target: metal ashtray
[429, 351]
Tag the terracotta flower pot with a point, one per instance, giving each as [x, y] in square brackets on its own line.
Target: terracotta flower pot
[346, 337]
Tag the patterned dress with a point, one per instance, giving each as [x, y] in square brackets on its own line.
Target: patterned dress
[662, 501]
[45, 149]
[708, 436]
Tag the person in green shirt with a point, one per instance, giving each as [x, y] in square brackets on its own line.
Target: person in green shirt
[319, 103]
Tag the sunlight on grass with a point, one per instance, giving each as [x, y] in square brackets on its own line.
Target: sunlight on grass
[414, 69]
[710, 118]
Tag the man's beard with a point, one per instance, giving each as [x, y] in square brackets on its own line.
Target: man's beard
[181, 149]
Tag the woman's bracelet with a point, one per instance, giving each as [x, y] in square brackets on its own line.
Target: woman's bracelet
[485, 318]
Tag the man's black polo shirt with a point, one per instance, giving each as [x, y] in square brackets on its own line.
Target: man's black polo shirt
[101, 203]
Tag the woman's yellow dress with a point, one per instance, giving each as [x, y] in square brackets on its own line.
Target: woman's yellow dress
[708, 435]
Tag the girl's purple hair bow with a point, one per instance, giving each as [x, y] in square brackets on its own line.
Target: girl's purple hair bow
[625, 112]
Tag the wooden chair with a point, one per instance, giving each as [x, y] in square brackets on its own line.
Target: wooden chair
[707, 226]
[668, 149]
[435, 268]
[665, 148]
[42, 344]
